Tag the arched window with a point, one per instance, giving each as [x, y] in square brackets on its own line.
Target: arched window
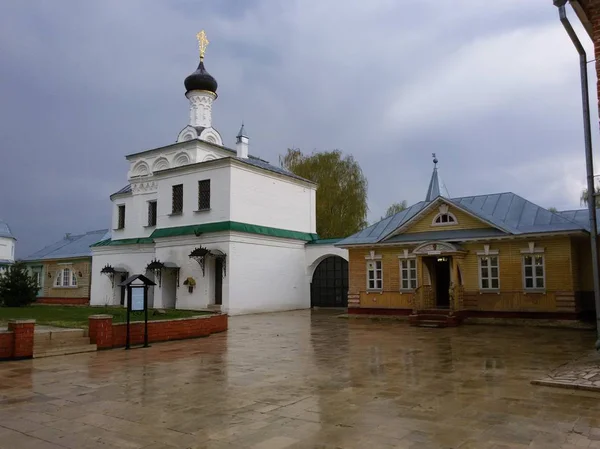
[444, 219]
[66, 278]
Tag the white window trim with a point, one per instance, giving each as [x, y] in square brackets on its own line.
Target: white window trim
[532, 250]
[534, 277]
[449, 223]
[407, 256]
[489, 267]
[61, 277]
[372, 257]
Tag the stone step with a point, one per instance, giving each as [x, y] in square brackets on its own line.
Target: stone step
[431, 323]
[442, 312]
[52, 352]
[50, 344]
[432, 317]
[62, 334]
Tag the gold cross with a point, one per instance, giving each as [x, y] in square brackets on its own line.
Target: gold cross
[202, 43]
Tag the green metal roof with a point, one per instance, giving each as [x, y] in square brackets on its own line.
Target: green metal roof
[233, 226]
[219, 226]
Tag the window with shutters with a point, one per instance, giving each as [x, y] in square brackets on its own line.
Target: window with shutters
[177, 207]
[204, 194]
[152, 213]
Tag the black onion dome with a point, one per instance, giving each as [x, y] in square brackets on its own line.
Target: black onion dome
[201, 80]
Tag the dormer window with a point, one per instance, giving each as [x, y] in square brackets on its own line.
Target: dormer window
[444, 217]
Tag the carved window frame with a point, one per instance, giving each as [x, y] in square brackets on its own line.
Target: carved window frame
[412, 282]
[374, 265]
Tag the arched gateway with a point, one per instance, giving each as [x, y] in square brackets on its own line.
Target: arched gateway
[329, 286]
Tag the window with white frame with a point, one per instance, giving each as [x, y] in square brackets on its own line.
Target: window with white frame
[533, 271]
[489, 277]
[444, 217]
[66, 278]
[408, 274]
[374, 275]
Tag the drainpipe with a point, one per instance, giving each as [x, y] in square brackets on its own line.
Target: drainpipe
[589, 162]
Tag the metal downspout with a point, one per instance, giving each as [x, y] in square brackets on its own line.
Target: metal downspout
[589, 162]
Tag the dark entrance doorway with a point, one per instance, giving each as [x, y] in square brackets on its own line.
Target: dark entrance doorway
[442, 282]
[218, 281]
[329, 287]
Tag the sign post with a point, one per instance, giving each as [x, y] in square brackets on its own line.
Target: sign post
[137, 295]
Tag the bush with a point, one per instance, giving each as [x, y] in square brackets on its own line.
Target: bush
[17, 288]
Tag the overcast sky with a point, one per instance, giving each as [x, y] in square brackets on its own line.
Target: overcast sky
[491, 87]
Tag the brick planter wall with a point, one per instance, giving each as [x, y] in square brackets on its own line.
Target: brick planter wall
[17, 342]
[6, 344]
[64, 301]
[107, 335]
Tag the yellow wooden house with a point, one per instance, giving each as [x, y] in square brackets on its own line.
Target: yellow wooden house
[445, 259]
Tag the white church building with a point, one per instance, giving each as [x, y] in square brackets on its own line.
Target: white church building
[7, 246]
[215, 227]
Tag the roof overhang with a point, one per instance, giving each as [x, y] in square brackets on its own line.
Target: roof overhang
[577, 233]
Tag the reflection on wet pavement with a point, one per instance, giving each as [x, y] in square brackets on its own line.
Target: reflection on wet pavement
[307, 380]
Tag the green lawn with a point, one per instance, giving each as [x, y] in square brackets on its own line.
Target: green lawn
[75, 316]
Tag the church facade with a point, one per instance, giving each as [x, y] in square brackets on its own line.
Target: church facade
[7, 246]
[213, 227]
[488, 256]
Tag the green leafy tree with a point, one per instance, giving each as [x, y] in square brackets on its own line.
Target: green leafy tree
[395, 208]
[585, 197]
[17, 288]
[553, 209]
[341, 189]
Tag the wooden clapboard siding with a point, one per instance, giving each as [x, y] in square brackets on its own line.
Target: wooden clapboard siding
[564, 259]
[465, 221]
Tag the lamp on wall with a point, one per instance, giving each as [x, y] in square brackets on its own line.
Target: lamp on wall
[49, 275]
[156, 267]
[199, 255]
[80, 275]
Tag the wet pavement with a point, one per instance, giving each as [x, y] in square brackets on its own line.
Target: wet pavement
[301, 380]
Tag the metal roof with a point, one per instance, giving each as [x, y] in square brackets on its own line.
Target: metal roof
[580, 216]
[436, 185]
[5, 230]
[266, 166]
[126, 189]
[70, 246]
[507, 212]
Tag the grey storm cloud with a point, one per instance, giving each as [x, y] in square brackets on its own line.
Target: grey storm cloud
[491, 87]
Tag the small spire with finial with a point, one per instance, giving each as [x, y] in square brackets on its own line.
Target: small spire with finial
[202, 43]
[435, 161]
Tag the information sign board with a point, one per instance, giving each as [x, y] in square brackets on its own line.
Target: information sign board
[137, 299]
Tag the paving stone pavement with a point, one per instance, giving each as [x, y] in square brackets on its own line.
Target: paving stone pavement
[582, 373]
[301, 380]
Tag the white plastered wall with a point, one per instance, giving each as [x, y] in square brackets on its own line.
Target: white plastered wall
[132, 259]
[266, 274]
[7, 249]
[269, 200]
